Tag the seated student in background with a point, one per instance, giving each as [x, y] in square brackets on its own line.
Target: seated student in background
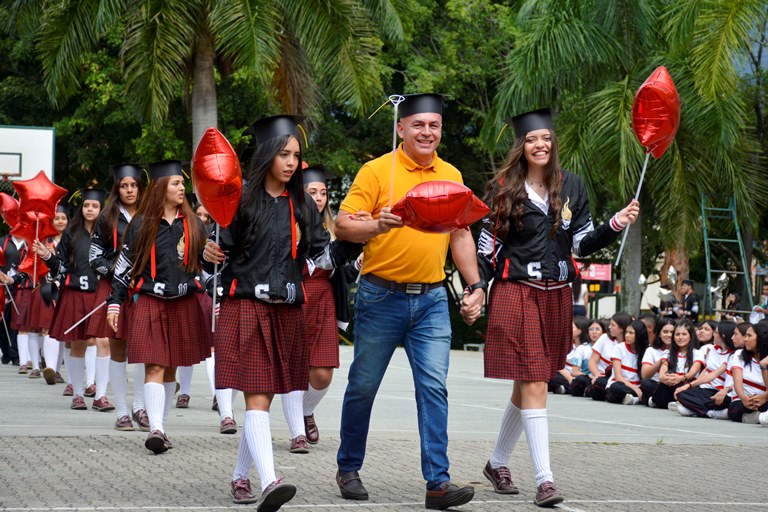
[723, 396]
[576, 360]
[705, 333]
[623, 386]
[680, 364]
[697, 398]
[649, 373]
[650, 320]
[749, 397]
[600, 362]
[599, 359]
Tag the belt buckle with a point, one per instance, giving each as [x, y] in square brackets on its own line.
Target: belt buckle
[413, 288]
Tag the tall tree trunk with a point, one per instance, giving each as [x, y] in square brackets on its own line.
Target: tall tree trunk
[204, 112]
[630, 269]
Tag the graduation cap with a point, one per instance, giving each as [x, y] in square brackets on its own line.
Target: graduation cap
[276, 126]
[62, 208]
[420, 104]
[94, 194]
[315, 173]
[530, 121]
[120, 171]
[159, 170]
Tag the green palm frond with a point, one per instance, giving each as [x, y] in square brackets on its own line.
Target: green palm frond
[388, 15]
[292, 81]
[679, 21]
[158, 44]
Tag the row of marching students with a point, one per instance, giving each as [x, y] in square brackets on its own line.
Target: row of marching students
[715, 370]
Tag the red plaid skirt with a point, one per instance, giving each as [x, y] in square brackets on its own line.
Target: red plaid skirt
[23, 300]
[206, 304]
[40, 315]
[260, 347]
[320, 312]
[529, 332]
[73, 304]
[97, 323]
[166, 332]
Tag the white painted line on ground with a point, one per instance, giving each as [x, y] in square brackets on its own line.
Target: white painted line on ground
[635, 425]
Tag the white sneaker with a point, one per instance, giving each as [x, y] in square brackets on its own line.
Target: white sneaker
[721, 414]
[672, 406]
[651, 403]
[684, 411]
[751, 418]
[630, 399]
[560, 390]
[763, 419]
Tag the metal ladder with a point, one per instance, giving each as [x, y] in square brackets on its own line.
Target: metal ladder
[711, 212]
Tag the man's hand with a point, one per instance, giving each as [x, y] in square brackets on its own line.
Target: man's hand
[388, 220]
[472, 305]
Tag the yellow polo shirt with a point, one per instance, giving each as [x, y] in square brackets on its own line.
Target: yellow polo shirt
[403, 255]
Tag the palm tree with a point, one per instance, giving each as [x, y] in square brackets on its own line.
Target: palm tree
[173, 47]
[587, 59]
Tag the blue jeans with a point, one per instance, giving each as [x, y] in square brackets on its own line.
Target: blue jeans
[383, 320]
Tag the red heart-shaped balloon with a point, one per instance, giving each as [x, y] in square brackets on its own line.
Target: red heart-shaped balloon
[9, 208]
[440, 207]
[216, 176]
[656, 112]
[39, 194]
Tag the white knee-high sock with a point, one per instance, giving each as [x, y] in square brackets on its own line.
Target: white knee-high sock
[34, 349]
[138, 387]
[293, 409]
[75, 370]
[509, 433]
[22, 344]
[244, 460]
[224, 399]
[536, 428]
[170, 390]
[51, 353]
[90, 365]
[185, 379]
[257, 434]
[67, 356]
[118, 376]
[210, 366]
[154, 402]
[102, 375]
[312, 397]
[60, 360]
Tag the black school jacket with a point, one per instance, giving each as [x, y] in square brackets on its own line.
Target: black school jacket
[76, 274]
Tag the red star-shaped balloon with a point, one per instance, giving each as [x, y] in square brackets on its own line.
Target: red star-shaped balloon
[9, 208]
[34, 226]
[39, 194]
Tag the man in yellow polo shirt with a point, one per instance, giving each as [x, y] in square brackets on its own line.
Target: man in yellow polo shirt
[401, 300]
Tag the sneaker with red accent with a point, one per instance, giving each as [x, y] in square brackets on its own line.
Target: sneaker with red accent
[141, 419]
[182, 402]
[49, 374]
[124, 424]
[167, 440]
[310, 427]
[78, 404]
[155, 442]
[59, 379]
[228, 426]
[68, 391]
[547, 495]
[299, 445]
[35, 374]
[23, 369]
[90, 391]
[103, 404]
[241, 491]
[277, 494]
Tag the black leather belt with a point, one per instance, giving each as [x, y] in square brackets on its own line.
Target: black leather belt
[410, 288]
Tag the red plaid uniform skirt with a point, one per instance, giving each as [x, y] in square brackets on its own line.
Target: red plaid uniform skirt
[166, 332]
[320, 313]
[73, 304]
[23, 300]
[97, 323]
[529, 332]
[260, 347]
[206, 304]
[40, 315]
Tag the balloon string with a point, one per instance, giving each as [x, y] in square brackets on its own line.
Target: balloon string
[637, 195]
[396, 100]
[34, 269]
[215, 284]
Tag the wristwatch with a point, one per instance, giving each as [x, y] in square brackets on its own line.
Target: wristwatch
[480, 284]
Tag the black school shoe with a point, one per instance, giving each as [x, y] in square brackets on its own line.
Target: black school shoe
[351, 486]
[449, 495]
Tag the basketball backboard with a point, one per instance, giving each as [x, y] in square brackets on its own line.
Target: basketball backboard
[26, 150]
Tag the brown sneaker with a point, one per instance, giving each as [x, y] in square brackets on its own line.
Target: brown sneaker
[49, 374]
[277, 494]
[448, 496]
[23, 369]
[501, 479]
[68, 391]
[547, 495]
[182, 402]
[90, 391]
[59, 378]
[155, 442]
[167, 441]
[228, 426]
[78, 404]
[141, 419]
[299, 445]
[310, 427]
[241, 491]
[124, 423]
[103, 404]
[35, 374]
